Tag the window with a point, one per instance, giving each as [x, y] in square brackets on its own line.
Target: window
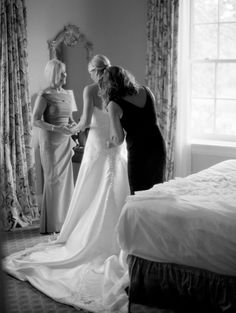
[213, 69]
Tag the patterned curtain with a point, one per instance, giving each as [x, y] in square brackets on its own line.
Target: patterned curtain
[161, 70]
[17, 174]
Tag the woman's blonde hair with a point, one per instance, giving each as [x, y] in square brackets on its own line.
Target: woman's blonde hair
[99, 63]
[53, 70]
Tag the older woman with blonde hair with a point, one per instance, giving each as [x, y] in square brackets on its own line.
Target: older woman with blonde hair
[53, 116]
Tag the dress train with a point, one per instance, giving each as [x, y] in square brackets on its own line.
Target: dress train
[84, 266]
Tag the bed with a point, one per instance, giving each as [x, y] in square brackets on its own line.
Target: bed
[180, 237]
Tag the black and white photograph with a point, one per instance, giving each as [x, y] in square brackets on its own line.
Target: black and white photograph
[118, 156]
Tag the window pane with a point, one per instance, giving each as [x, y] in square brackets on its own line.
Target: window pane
[213, 69]
[205, 41]
[203, 80]
[205, 11]
[226, 117]
[226, 81]
[202, 122]
[227, 10]
[227, 42]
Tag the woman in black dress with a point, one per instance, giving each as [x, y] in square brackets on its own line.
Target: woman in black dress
[133, 117]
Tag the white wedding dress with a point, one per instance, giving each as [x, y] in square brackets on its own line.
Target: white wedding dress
[84, 266]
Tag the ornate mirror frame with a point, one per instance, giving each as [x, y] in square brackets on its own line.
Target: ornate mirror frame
[70, 36]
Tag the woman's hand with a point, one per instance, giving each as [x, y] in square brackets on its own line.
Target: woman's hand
[64, 129]
[112, 143]
[73, 124]
[75, 129]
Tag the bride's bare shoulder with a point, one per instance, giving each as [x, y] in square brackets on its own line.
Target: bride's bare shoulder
[91, 89]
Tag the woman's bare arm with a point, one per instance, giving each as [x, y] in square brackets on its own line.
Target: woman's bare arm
[72, 122]
[88, 107]
[39, 108]
[117, 134]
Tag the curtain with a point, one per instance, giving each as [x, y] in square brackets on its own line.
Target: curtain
[161, 69]
[17, 174]
[182, 145]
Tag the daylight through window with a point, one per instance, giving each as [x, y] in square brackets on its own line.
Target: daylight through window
[213, 69]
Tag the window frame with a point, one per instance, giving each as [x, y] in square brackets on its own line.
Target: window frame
[214, 138]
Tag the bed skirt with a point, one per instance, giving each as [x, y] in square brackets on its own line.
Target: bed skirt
[179, 288]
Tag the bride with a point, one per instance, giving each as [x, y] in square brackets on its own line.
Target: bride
[84, 266]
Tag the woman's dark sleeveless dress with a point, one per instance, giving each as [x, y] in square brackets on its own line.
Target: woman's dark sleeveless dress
[145, 144]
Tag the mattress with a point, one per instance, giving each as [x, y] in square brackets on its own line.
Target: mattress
[188, 221]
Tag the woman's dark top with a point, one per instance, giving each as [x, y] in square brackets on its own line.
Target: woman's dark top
[145, 144]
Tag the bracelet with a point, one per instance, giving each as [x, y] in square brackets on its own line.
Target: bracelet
[52, 129]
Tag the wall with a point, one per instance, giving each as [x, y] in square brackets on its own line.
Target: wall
[116, 29]
[209, 154]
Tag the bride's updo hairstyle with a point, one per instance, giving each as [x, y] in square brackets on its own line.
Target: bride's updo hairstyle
[52, 72]
[117, 83]
[99, 63]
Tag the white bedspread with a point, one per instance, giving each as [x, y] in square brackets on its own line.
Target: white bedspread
[189, 221]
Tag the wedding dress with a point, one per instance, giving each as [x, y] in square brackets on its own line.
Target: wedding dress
[84, 266]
